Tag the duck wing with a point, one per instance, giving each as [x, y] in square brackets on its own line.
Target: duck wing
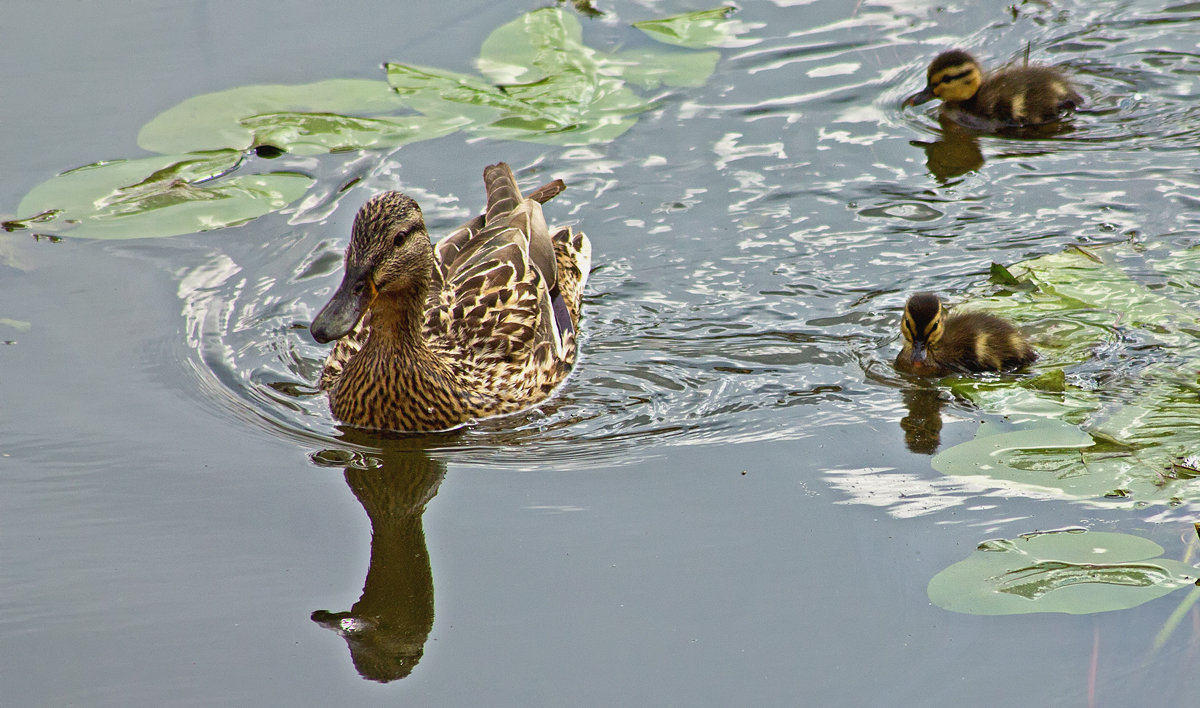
[494, 305]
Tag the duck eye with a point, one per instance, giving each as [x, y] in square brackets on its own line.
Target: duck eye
[401, 236]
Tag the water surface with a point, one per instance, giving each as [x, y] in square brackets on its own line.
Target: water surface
[731, 499]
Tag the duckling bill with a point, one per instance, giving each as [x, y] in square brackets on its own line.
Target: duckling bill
[1012, 97]
[937, 343]
[484, 324]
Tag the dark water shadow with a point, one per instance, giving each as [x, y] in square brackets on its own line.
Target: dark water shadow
[386, 629]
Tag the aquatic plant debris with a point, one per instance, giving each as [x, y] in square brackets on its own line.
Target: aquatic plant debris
[1070, 571]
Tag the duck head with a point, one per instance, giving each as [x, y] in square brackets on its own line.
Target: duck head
[952, 76]
[922, 327]
[389, 258]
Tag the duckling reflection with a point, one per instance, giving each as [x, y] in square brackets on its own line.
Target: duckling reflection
[1010, 97]
[387, 628]
[923, 425]
[955, 153]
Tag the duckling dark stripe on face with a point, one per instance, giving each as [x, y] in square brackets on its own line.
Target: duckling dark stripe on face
[932, 326]
[954, 73]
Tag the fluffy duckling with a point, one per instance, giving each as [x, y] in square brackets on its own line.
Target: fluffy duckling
[937, 343]
[1013, 97]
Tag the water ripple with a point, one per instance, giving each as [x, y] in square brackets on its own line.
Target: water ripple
[754, 238]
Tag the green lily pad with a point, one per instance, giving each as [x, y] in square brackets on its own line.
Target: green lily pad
[1140, 419]
[539, 112]
[315, 133]
[236, 118]
[1001, 275]
[706, 28]
[984, 456]
[160, 196]
[650, 68]
[1075, 572]
[541, 83]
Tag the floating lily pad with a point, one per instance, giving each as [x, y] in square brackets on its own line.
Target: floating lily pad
[159, 196]
[1120, 365]
[1001, 275]
[541, 83]
[649, 68]
[536, 113]
[238, 118]
[706, 28]
[1076, 572]
[315, 133]
[985, 455]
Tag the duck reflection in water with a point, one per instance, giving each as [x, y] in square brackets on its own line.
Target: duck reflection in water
[923, 425]
[387, 628]
[955, 153]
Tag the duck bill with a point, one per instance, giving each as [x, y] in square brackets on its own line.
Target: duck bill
[923, 96]
[345, 308]
[918, 354]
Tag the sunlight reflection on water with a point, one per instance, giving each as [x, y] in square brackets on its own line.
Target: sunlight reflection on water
[750, 270]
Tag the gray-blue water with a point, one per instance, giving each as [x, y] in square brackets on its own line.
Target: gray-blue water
[720, 507]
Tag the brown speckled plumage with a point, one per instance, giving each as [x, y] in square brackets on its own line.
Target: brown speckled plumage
[1012, 97]
[937, 343]
[430, 338]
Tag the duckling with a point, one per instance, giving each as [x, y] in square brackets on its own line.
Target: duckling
[937, 343]
[483, 324]
[1013, 97]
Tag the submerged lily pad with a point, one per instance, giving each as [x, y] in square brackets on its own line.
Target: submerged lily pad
[1120, 366]
[159, 196]
[1075, 572]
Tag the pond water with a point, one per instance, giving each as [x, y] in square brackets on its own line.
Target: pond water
[731, 501]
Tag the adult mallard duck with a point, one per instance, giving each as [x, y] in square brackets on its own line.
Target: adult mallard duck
[937, 343]
[483, 324]
[1013, 97]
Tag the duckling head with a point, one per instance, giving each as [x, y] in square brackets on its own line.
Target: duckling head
[389, 255]
[922, 327]
[952, 76]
